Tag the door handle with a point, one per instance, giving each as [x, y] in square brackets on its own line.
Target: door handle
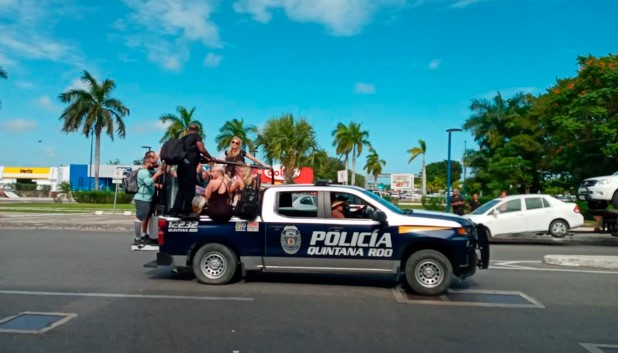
[335, 228]
[275, 228]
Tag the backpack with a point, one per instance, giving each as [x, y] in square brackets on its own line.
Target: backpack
[130, 183]
[173, 151]
[248, 206]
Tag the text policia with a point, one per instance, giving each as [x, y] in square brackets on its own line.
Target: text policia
[355, 244]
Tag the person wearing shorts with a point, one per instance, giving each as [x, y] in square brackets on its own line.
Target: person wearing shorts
[144, 200]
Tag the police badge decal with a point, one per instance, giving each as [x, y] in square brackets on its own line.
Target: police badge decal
[290, 240]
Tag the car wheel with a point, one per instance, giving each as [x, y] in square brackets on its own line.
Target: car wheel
[558, 228]
[428, 272]
[214, 264]
[597, 205]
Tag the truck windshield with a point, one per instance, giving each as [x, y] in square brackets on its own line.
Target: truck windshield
[383, 202]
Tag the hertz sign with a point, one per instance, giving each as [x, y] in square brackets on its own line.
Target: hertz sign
[26, 173]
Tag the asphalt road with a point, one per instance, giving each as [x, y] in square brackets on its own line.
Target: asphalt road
[123, 307]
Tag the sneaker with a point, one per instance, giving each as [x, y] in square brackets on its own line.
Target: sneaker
[146, 240]
[138, 242]
[154, 241]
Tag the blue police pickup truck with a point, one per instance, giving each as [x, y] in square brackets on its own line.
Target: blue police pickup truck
[375, 237]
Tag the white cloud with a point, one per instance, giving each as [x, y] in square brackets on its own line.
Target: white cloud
[77, 83]
[24, 84]
[212, 60]
[150, 126]
[166, 29]
[460, 4]
[46, 103]
[18, 125]
[49, 152]
[340, 17]
[28, 33]
[364, 88]
[435, 64]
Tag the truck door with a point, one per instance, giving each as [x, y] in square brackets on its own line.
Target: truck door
[314, 241]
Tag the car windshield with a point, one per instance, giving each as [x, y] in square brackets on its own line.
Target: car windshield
[486, 206]
[383, 202]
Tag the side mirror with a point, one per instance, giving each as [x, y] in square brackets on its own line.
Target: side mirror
[495, 212]
[379, 216]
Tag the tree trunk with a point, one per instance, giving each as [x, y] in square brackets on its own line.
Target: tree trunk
[424, 186]
[288, 174]
[353, 167]
[345, 166]
[97, 159]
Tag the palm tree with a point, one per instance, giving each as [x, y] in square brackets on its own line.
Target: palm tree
[179, 124]
[4, 75]
[374, 165]
[415, 152]
[233, 128]
[350, 139]
[93, 111]
[289, 141]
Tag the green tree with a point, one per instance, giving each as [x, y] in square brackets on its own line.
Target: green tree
[114, 162]
[94, 111]
[289, 141]
[348, 140]
[580, 115]
[505, 130]
[233, 128]
[374, 164]
[415, 152]
[436, 172]
[3, 75]
[179, 124]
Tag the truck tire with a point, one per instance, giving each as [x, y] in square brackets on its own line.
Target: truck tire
[597, 205]
[214, 264]
[428, 272]
[558, 228]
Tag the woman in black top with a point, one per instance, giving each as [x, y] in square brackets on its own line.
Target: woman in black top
[236, 154]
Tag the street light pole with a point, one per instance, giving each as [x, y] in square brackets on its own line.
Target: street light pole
[448, 170]
[464, 169]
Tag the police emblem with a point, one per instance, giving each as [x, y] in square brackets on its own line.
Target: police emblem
[290, 240]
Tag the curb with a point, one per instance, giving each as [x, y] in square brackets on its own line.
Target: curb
[102, 228]
[607, 262]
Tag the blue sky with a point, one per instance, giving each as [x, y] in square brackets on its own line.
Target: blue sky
[406, 70]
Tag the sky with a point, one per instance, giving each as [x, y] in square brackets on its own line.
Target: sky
[406, 70]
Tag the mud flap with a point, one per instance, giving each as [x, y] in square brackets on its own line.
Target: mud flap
[482, 243]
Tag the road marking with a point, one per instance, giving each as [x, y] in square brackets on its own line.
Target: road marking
[62, 318]
[598, 348]
[482, 298]
[513, 265]
[120, 295]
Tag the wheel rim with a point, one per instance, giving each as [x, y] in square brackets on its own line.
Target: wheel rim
[559, 228]
[429, 274]
[213, 265]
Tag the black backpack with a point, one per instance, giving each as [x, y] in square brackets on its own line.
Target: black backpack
[248, 206]
[173, 151]
[130, 183]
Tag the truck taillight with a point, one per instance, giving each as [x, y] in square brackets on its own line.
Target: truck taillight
[160, 235]
[576, 209]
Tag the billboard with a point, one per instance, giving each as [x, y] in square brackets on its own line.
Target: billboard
[402, 181]
[303, 175]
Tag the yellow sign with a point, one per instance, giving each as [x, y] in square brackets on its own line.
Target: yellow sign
[26, 172]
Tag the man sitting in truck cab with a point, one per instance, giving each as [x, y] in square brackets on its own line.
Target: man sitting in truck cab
[337, 209]
[358, 209]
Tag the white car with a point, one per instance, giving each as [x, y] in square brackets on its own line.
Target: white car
[535, 213]
[305, 202]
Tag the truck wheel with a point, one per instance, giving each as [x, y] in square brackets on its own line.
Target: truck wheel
[429, 272]
[597, 205]
[558, 228]
[214, 264]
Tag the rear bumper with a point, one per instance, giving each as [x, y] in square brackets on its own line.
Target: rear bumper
[164, 259]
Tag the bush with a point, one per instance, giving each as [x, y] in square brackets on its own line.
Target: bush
[45, 190]
[101, 197]
[434, 203]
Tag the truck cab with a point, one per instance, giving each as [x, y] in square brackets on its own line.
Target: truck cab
[375, 237]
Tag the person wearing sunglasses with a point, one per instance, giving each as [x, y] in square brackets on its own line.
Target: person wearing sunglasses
[237, 154]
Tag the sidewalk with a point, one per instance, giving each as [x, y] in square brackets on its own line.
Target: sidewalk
[107, 222]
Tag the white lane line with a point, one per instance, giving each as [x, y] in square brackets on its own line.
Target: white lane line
[521, 268]
[120, 295]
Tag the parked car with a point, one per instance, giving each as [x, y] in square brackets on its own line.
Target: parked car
[535, 213]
